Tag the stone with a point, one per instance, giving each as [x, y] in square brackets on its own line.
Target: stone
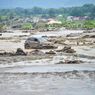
[67, 49]
[48, 47]
[36, 52]
[73, 62]
[70, 62]
[51, 52]
[20, 52]
[7, 54]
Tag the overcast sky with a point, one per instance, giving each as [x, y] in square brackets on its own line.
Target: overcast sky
[43, 3]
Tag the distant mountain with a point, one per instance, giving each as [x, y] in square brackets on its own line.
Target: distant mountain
[43, 3]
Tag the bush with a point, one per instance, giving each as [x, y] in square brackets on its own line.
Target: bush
[90, 24]
[27, 26]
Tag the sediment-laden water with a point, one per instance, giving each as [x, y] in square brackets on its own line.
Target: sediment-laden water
[67, 83]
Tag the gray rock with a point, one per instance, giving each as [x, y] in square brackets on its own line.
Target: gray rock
[51, 52]
[67, 49]
[20, 52]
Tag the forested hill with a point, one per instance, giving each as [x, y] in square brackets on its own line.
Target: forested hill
[85, 10]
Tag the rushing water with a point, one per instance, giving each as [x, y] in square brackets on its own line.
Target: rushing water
[59, 33]
[44, 77]
[70, 83]
[50, 68]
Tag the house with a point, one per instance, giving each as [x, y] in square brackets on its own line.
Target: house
[77, 18]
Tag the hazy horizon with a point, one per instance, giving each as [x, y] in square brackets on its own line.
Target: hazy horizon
[43, 3]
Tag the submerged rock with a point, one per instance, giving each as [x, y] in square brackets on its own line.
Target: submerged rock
[7, 54]
[70, 62]
[51, 52]
[61, 62]
[74, 62]
[74, 34]
[18, 52]
[67, 49]
[36, 52]
[89, 31]
[48, 47]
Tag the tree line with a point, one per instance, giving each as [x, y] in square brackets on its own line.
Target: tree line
[85, 10]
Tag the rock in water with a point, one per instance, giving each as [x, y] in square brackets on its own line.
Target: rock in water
[70, 62]
[36, 52]
[20, 52]
[67, 49]
[50, 52]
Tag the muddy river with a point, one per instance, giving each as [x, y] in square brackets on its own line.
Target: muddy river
[22, 75]
[68, 83]
[48, 80]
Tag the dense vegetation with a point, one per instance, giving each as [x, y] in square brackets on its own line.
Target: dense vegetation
[11, 17]
[85, 10]
[27, 26]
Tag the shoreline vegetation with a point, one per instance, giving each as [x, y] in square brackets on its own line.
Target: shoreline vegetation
[36, 18]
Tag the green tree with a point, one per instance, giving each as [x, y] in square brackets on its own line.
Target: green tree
[90, 24]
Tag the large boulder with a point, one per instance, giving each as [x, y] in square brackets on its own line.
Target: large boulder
[20, 52]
